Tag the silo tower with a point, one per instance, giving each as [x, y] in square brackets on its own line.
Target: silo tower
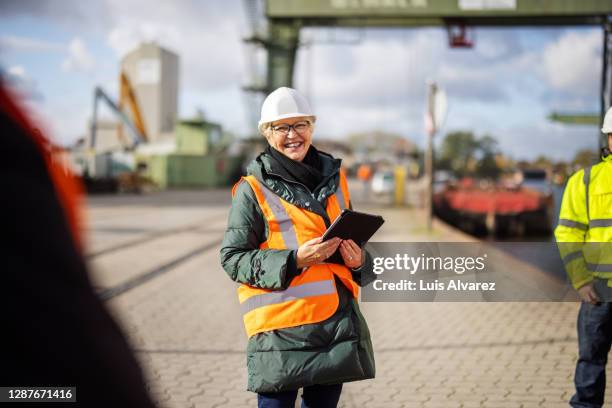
[154, 75]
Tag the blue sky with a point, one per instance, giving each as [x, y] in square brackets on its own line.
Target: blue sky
[505, 86]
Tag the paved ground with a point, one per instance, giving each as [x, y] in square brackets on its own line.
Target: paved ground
[156, 258]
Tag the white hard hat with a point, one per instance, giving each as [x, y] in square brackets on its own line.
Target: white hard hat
[284, 103]
[607, 125]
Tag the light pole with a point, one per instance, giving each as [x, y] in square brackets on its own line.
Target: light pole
[430, 128]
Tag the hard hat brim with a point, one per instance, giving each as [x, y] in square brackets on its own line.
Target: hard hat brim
[285, 116]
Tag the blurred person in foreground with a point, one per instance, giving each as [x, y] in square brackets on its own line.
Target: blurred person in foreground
[300, 313]
[584, 237]
[55, 330]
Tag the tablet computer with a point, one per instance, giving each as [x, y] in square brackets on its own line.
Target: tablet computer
[358, 226]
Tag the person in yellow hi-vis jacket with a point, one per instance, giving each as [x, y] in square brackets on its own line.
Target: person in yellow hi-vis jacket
[584, 237]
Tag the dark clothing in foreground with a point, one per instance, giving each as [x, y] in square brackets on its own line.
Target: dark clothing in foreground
[55, 330]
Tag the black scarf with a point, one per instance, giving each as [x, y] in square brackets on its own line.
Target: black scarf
[307, 172]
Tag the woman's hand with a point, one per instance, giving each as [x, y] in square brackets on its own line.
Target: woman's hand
[351, 254]
[316, 251]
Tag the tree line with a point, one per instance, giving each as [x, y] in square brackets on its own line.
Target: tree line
[465, 154]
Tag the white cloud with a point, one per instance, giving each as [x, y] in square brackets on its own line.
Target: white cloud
[13, 43]
[571, 63]
[497, 91]
[394, 70]
[375, 72]
[72, 13]
[496, 43]
[17, 71]
[376, 84]
[383, 84]
[79, 58]
[207, 39]
[64, 120]
[482, 83]
[554, 140]
[122, 40]
[22, 84]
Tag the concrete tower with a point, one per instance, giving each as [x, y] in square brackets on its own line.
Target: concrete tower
[154, 75]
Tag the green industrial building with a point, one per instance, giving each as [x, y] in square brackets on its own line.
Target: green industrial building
[199, 160]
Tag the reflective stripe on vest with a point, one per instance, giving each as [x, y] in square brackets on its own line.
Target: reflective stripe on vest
[571, 256]
[586, 179]
[602, 222]
[586, 252]
[342, 191]
[573, 224]
[341, 202]
[312, 295]
[597, 223]
[325, 287]
[593, 267]
[282, 218]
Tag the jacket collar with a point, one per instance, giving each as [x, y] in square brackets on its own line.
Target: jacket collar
[263, 168]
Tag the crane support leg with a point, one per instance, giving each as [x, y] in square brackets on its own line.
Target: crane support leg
[282, 50]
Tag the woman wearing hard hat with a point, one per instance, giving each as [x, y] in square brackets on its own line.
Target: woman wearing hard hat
[300, 313]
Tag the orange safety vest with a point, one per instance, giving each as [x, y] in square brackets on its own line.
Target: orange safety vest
[312, 295]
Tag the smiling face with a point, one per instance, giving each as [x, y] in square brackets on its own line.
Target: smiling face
[294, 144]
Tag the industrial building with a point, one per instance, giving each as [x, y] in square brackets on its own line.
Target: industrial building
[154, 74]
[145, 140]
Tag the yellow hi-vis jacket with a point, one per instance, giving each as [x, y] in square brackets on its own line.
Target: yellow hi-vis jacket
[584, 233]
[312, 296]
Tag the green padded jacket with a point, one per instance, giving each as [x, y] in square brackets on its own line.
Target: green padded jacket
[336, 350]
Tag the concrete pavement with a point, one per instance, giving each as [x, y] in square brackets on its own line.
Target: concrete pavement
[184, 321]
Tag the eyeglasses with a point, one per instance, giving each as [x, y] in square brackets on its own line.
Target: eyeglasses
[284, 129]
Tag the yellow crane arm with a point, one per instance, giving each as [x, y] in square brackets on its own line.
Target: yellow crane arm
[126, 95]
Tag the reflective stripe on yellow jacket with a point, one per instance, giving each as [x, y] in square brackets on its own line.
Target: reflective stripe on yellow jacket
[584, 233]
[312, 295]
